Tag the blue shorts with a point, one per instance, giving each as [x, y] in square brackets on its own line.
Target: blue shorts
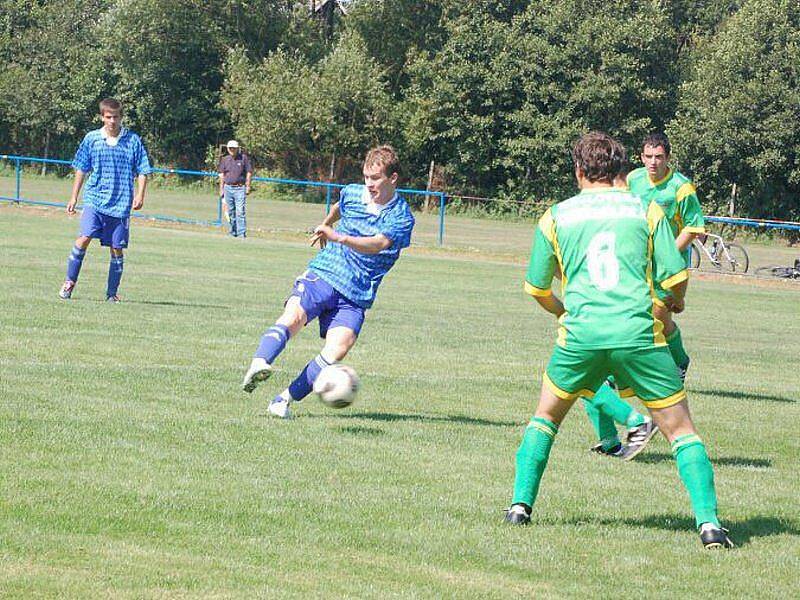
[319, 299]
[111, 231]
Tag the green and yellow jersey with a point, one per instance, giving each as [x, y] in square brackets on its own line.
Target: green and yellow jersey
[610, 249]
[677, 197]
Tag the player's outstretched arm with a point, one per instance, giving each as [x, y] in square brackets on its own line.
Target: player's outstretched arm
[333, 215]
[365, 245]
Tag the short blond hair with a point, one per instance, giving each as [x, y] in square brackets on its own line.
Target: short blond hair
[110, 104]
[385, 157]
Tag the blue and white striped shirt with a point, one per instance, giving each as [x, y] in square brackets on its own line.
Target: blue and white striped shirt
[355, 275]
[111, 169]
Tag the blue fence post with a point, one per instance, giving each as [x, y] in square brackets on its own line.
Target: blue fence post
[219, 211]
[18, 173]
[441, 217]
[327, 199]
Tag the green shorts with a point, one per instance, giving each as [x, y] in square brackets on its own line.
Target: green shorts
[649, 373]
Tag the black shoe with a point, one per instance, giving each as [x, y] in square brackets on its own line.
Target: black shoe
[518, 514]
[714, 537]
[637, 439]
[617, 451]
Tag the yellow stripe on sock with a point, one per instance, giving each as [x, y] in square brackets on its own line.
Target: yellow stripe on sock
[685, 440]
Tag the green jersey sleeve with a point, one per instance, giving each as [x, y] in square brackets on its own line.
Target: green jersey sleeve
[542, 266]
[668, 265]
[689, 211]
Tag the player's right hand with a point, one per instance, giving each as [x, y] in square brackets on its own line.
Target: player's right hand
[71, 206]
[318, 238]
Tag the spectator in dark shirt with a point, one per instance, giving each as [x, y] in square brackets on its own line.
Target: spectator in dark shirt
[235, 173]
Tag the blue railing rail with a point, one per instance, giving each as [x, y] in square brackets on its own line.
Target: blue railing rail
[328, 186]
[762, 223]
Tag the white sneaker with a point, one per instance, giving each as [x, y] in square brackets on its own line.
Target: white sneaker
[259, 371]
[280, 408]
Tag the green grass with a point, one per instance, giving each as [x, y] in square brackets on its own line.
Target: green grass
[131, 464]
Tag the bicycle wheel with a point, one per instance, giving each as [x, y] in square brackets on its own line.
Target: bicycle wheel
[694, 257]
[739, 261]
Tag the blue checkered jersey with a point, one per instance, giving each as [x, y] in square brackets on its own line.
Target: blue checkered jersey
[355, 275]
[111, 170]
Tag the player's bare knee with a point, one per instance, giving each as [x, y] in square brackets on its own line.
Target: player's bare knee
[293, 316]
[83, 242]
[674, 421]
[338, 343]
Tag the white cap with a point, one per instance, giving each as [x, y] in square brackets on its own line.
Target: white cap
[233, 144]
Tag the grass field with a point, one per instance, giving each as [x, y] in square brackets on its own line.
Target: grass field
[132, 466]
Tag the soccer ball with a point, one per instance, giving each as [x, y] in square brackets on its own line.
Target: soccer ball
[337, 385]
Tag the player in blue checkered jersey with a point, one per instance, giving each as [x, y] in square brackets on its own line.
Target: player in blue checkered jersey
[340, 284]
[108, 160]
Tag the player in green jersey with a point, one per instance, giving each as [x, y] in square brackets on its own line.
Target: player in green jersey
[675, 194]
[609, 249]
[677, 197]
[607, 409]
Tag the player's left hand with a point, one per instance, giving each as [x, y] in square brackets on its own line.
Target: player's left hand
[138, 202]
[324, 234]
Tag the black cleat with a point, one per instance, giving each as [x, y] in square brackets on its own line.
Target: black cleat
[638, 438]
[714, 537]
[518, 514]
[617, 451]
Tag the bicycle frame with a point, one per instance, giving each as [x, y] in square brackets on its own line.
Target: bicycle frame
[715, 253]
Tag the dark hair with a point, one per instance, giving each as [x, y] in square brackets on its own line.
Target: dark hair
[657, 139]
[110, 104]
[598, 156]
[385, 157]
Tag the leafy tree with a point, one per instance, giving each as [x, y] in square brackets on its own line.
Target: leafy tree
[505, 98]
[737, 119]
[167, 71]
[52, 77]
[295, 115]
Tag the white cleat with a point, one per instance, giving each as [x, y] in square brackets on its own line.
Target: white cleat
[280, 408]
[259, 371]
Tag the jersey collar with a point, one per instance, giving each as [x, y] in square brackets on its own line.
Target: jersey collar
[374, 208]
[660, 181]
[112, 141]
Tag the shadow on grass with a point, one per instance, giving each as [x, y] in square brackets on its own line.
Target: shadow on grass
[170, 303]
[741, 531]
[392, 417]
[722, 461]
[365, 431]
[738, 395]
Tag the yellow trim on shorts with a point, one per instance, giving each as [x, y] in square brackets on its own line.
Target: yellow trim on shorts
[678, 396]
[671, 282]
[564, 395]
[626, 393]
[536, 291]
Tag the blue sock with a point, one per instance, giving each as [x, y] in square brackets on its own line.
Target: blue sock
[114, 275]
[272, 343]
[304, 382]
[74, 263]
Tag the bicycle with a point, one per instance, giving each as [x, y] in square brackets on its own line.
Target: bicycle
[781, 271]
[725, 256]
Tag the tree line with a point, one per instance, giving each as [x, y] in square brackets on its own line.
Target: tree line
[493, 93]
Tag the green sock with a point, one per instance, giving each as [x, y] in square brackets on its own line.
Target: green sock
[532, 459]
[608, 402]
[675, 345]
[603, 425]
[697, 475]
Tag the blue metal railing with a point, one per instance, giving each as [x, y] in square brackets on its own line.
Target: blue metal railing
[329, 188]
